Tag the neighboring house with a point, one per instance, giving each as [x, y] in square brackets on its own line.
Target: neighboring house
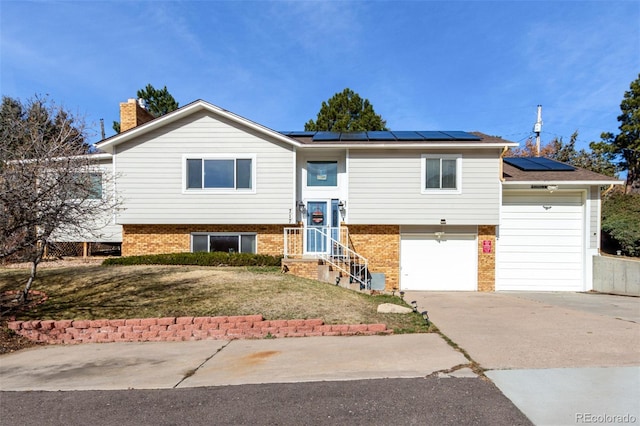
[430, 210]
[106, 234]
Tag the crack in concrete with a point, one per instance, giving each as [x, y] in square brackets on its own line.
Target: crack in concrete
[195, 370]
[473, 365]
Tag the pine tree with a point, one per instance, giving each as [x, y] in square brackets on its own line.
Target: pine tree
[346, 112]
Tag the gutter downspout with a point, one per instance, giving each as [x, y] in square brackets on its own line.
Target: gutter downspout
[504, 151]
[606, 191]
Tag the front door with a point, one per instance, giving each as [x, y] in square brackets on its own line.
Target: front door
[323, 220]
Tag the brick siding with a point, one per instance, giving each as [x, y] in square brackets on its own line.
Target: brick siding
[132, 115]
[380, 245]
[487, 261]
[158, 239]
[305, 268]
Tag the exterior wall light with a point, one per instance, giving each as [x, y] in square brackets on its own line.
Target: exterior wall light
[301, 207]
[552, 188]
[342, 206]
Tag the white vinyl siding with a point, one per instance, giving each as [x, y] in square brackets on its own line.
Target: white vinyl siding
[104, 227]
[151, 176]
[594, 205]
[540, 242]
[385, 187]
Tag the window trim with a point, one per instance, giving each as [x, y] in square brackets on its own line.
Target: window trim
[223, 234]
[423, 174]
[223, 156]
[321, 187]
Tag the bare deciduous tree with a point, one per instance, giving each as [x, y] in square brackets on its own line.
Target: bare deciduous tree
[49, 181]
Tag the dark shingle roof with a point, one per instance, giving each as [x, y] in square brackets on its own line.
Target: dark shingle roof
[513, 174]
[395, 136]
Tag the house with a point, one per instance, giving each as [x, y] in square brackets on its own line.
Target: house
[413, 210]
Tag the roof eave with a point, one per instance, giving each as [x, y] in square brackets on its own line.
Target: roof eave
[411, 145]
[564, 182]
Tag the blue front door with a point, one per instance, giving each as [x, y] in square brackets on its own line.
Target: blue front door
[323, 219]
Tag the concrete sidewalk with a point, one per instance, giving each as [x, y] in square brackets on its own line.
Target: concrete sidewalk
[108, 366]
[561, 358]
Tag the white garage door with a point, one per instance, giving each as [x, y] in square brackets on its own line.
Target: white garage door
[429, 263]
[540, 242]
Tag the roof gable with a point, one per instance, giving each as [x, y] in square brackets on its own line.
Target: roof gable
[108, 144]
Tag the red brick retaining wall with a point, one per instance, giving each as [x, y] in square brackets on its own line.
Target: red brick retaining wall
[183, 328]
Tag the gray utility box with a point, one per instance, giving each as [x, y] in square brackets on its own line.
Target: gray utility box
[377, 281]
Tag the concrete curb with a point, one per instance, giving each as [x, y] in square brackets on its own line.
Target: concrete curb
[171, 329]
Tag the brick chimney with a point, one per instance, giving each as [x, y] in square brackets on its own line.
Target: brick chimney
[133, 115]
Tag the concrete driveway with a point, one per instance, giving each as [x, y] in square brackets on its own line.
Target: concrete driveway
[562, 358]
[537, 330]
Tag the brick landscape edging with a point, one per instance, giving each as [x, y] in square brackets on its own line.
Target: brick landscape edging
[183, 328]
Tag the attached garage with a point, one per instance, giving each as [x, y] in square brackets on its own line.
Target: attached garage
[438, 262]
[541, 241]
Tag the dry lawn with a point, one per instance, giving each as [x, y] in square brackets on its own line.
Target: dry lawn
[95, 292]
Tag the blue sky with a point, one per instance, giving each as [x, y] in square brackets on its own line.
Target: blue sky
[424, 65]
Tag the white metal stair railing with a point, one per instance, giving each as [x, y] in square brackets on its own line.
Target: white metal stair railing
[335, 253]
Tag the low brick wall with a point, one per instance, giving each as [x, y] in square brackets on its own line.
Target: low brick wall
[183, 328]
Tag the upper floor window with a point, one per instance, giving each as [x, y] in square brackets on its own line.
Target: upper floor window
[322, 173]
[441, 173]
[226, 173]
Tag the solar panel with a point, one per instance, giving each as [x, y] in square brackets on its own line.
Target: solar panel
[432, 135]
[354, 136]
[298, 133]
[538, 164]
[461, 136]
[380, 135]
[408, 136]
[384, 135]
[327, 136]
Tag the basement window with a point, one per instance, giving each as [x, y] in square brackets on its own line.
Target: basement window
[223, 242]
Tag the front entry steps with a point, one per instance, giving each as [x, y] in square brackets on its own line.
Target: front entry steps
[329, 274]
[317, 269]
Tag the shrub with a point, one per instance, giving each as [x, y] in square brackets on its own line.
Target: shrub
[621, 221]
[200, 259]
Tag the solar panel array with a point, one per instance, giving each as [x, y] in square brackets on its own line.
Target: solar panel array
[385, 135]
[538, 164]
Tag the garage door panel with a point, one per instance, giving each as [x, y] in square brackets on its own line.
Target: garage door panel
[528, 243]
[518, 232]
[557, 213]
[557, 255]
[540, 225]
[533, 199]
[546, 274]
[431, 264]
[541, 248]
[541, 285]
